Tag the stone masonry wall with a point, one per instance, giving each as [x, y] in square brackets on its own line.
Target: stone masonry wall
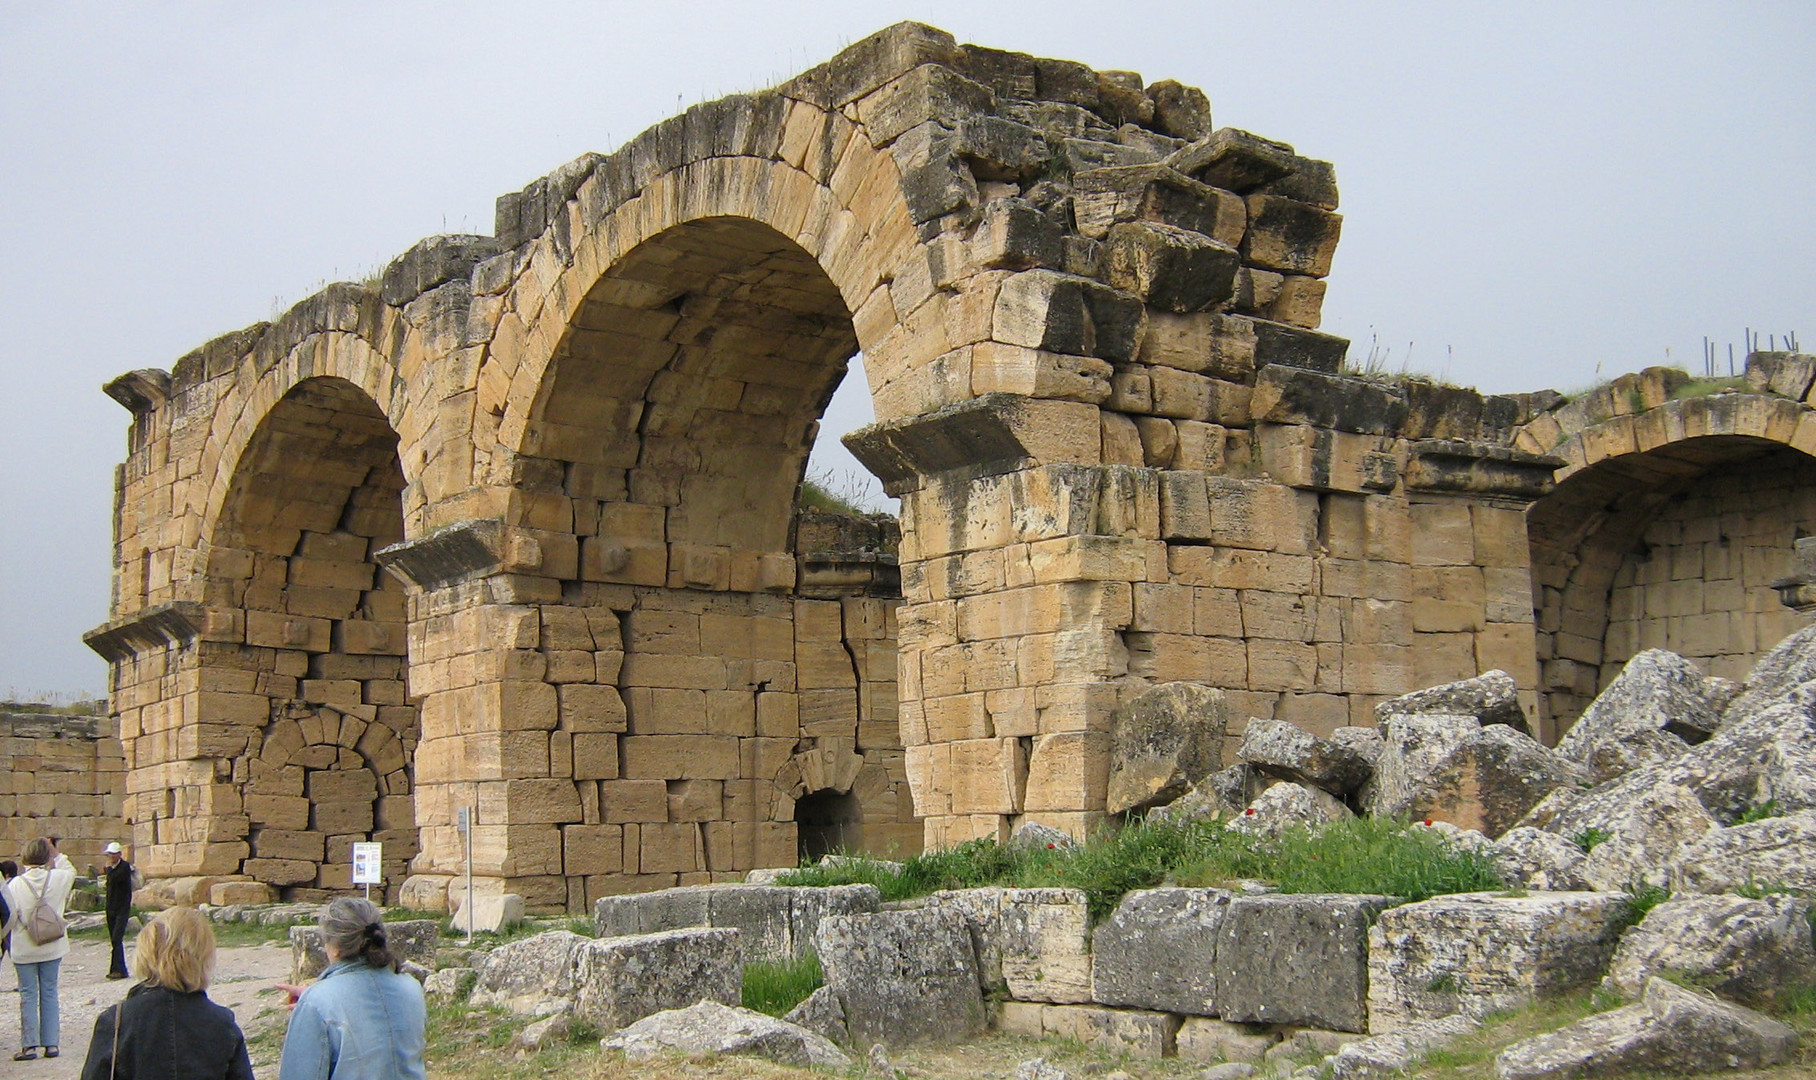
[60, 776]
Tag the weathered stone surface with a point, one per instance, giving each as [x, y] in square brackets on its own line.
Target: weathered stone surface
[713, 1028]
[1040, 1069]
[1032, 834]
[1453, 768]
[1289, 752]
[1644, 838]
[532, 977]
[1031, 944]
[1477, 953]
[1163, 742]
[903, 977]
[1229, 1070]
[1204, 1039]
[1749, 951]
[1529, 858]
[450, 984]
[491, 914]
[1790, 664]
[821, 1013]
[1634, 748]
[1285, 806]
[1491, 697]
[1234, 159]
[1779, 852]
[1296, 960]
[1655, 691]
[1672, 1030]
[620, 980]
[1295, 385]
[1392, 1055]
[1171, 268]
[775, 921]
[1136, 1032]
[548, 1031]
[1158, 950]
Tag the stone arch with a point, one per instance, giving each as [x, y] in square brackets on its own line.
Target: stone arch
[1666, 529]
[306, 640]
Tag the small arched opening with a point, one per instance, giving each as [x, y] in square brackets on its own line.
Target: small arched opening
[828, 821]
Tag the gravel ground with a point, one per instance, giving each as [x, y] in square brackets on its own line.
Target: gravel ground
[242, 974]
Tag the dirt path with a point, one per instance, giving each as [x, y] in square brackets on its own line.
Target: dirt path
[242, 974]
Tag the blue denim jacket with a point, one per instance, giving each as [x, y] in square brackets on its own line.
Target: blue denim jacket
[358, 1023]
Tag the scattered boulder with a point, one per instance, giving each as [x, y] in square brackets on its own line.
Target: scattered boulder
[1285, 805]
[820, 1013]
[715, 1028]
[1391, 1056]
[1298, 959]
[1778, 852]
[1490, 698]
[1672, 1030]
[532, 977]
[1643, 837]
[1363, 742]
[1289, 752]
[490, 914]
[547, 1031]
[1528, 858]
[1750, 951]
[450, 984]
[1454, 769]
[776, 921]
[1790, 664]
[1769, 756]
[876, 1063]
[1634, 748]
[1478, 953]
[1657, 691]
[620, 980]
[1158, 950]
[1032, 834]
[1163, 742]
[903, 977]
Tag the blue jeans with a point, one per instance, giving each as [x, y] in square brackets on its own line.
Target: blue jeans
[38, 1011]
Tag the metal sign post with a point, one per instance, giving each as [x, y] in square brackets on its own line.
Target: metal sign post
[466, 834]
[368, 864]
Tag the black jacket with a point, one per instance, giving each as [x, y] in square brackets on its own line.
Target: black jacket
[167, 1035]
[119, 889]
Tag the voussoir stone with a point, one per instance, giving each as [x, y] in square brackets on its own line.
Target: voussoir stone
[1478, 953]
[1296, 959]
[1749, 951]
[712, 1027]
[1672, 1030]
[903, 977]
[1491, 698]
[1163, 742]
[1291, 753]
[1158, 950]
[621, 980]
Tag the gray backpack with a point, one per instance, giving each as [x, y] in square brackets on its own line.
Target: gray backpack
[43, 924]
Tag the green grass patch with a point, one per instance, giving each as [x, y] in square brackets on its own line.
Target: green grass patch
[1358, 855]
[1704, 387]
[1588, 838]
[775, 987]
[1767, 809]
[1642, 899]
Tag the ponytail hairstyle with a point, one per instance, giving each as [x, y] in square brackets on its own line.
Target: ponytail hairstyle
[354, 928]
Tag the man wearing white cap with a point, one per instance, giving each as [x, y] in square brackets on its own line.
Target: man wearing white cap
[121, 878]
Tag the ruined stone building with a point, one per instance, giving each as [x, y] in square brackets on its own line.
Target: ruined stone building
[514, 529]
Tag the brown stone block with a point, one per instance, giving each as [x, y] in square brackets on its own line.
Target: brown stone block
[595, 756]
[1068, 771]
[988, 776]
[1290, 236]
[777, 714]
[1237, 568]
[570, 666]
[586, 707]
[1442, 658]
[1443, 534]
[1282, 665]
[695, 800]
[680, 757]
[1509, 647]
[592, 849]
[516, 850]
[682, 672]
[675, 848]
[622, 801]
[281, 871]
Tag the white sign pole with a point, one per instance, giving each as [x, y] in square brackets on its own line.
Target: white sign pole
[466, 832]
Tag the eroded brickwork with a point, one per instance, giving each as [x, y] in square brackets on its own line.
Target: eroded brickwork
[60, 776]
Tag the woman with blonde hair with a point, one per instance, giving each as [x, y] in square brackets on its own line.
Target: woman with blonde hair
[167, 1027]
[35, 900]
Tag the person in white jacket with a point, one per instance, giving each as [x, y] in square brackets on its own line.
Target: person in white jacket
[41, 882]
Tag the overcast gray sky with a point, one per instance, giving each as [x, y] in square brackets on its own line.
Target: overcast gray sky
[1533, 193]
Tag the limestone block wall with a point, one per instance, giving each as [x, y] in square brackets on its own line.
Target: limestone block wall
[60, 776]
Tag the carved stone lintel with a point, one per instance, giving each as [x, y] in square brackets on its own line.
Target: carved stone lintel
[1479, 468]
[460, 552]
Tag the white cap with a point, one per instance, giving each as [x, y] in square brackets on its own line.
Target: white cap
[113, 848]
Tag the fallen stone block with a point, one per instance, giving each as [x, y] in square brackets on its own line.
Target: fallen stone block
[1491, 697]
[1158, 950]
[713, 1028]
[1643, 838]
[410, 939]
[1454, 769]
[1285, 806]
[1657, 691]
[490, 914]
[1749, 951]
[820, 1013]
[548, 1031]
[1779, 852]
[1288, 752]
[450, 984]
[1299, 959]
[1528, 858]
[1672, 1030]
[1775, 678]
[903, 977]
[1163, 742]
[1033, 944]
[1390, 1056]
[1477, 953]
[1136, 1032]
[532, 977]
[620, 980]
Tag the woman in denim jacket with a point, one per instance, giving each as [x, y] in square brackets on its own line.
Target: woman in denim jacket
[364, 1019]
